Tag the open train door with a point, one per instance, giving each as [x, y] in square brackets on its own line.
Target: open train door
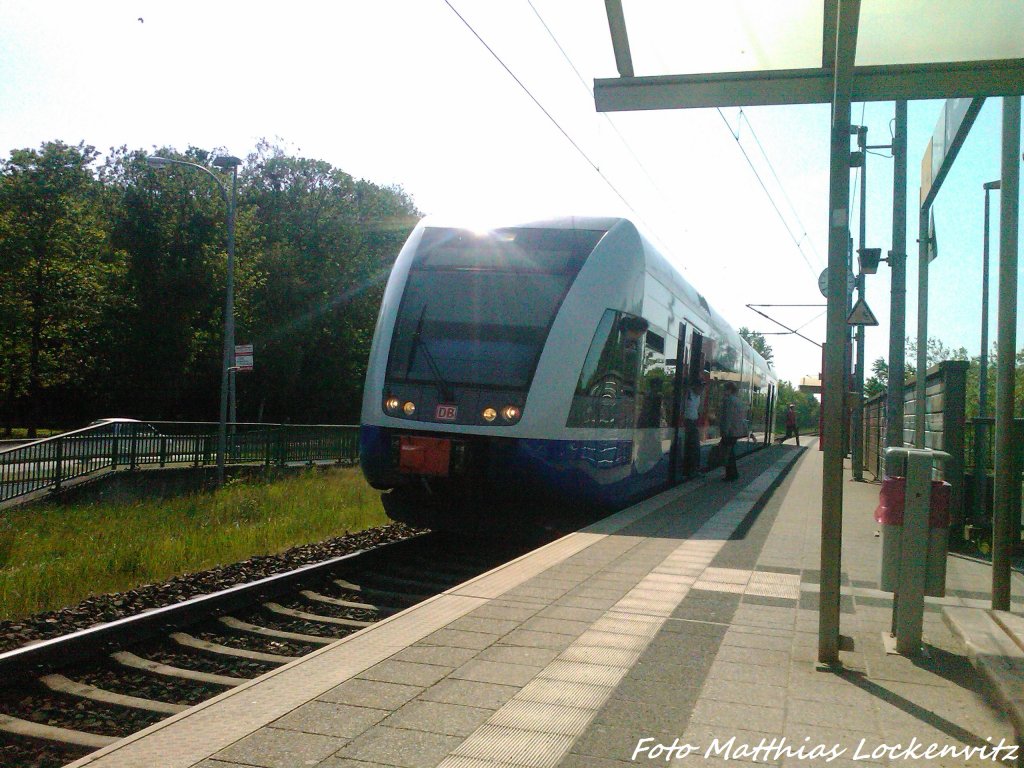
[679, 392]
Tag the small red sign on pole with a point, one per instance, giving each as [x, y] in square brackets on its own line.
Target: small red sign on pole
[243, 358]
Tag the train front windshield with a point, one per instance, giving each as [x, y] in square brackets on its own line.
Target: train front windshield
[477, 307]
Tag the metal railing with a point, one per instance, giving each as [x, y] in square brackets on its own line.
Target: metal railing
[979, 445]
[52, 462]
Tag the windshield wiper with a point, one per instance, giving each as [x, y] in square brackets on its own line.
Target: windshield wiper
[443, 387]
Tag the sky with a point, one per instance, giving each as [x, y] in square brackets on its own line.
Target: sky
[483, 112]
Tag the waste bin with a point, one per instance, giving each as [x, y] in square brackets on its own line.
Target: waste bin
[889, 514]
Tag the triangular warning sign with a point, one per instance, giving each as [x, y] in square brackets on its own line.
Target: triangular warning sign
[861, 314]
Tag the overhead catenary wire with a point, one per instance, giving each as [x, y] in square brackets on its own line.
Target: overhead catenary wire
[778, 211]
[590, 92]
[542, 108]
[760, 146]
[796, 240]
[782, 187]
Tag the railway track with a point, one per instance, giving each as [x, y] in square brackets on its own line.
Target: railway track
[63, 698]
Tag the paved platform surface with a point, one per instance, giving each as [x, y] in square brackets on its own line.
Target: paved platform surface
[682, 631]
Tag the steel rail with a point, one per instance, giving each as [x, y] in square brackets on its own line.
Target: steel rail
[59, 652]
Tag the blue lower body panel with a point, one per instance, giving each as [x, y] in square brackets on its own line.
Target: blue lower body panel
[503, 482]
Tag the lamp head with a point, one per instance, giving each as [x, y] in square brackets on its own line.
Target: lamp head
[225, 162]
[992, 185]
[157, 162]
[869, 258]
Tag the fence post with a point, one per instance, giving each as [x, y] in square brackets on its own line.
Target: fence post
[133, 448]
[266, 448]
[115, 447]
[58, 463]
[163, 450]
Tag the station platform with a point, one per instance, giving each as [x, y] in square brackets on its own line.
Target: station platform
[682, 630]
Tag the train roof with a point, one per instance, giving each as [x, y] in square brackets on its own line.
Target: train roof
[597, 223]
[657, 263]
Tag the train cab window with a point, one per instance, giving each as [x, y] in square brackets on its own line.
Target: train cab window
[477, 308]
[606, 392]
[551, 251]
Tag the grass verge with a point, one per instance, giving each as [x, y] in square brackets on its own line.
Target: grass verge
[52, 556]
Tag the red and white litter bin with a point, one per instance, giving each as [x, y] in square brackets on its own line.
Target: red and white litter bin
[889, 514]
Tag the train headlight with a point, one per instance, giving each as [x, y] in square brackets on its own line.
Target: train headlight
[511, 413]
[409, 408]
[392, 404]
[489, 414]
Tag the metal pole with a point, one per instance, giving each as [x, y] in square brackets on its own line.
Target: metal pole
[920, 389]
[232, 369]
[229, 332]
[229, 308]
[851, 335]
[983, 371]
[1004, 537]
[981, 430]
[914, 552]
[898, 302]
[836, 338]
[835, 388]
[857, 452]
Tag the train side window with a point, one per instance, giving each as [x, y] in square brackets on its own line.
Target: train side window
[606, 392]
[655, 385]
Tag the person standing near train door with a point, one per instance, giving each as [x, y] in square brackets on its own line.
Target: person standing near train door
[733, 423]
[691, 434]
[791, 427]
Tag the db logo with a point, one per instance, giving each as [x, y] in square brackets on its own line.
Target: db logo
[446, 412]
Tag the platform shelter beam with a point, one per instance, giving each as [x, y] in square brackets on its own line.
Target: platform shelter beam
[809, 86]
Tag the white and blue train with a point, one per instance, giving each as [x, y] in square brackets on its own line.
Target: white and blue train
[533, 375]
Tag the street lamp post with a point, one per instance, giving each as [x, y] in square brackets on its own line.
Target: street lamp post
[223, 162]
[981, 430]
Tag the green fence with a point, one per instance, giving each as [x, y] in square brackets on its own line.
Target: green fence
[50, 463]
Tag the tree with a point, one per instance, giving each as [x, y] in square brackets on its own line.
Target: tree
[758, 342]
[56, 270]
[879, 381]
[935, 353]
[112, 285]
[328, 243]
[170, 224]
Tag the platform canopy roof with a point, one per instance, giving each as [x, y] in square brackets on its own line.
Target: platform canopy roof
[676, 54]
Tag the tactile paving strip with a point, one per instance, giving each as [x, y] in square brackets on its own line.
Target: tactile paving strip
[514, 746]
[545, 718]
[767, 584]
[740, 582]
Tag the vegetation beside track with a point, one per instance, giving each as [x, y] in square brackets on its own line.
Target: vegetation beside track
[52, 555]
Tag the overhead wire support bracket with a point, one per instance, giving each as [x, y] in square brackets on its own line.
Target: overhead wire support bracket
[783, 325]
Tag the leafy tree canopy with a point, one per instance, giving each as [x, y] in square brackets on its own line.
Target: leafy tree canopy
[112, 284]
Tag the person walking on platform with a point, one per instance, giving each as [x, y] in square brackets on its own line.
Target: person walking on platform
[691, 434]
[733, 423]
[791, 428]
